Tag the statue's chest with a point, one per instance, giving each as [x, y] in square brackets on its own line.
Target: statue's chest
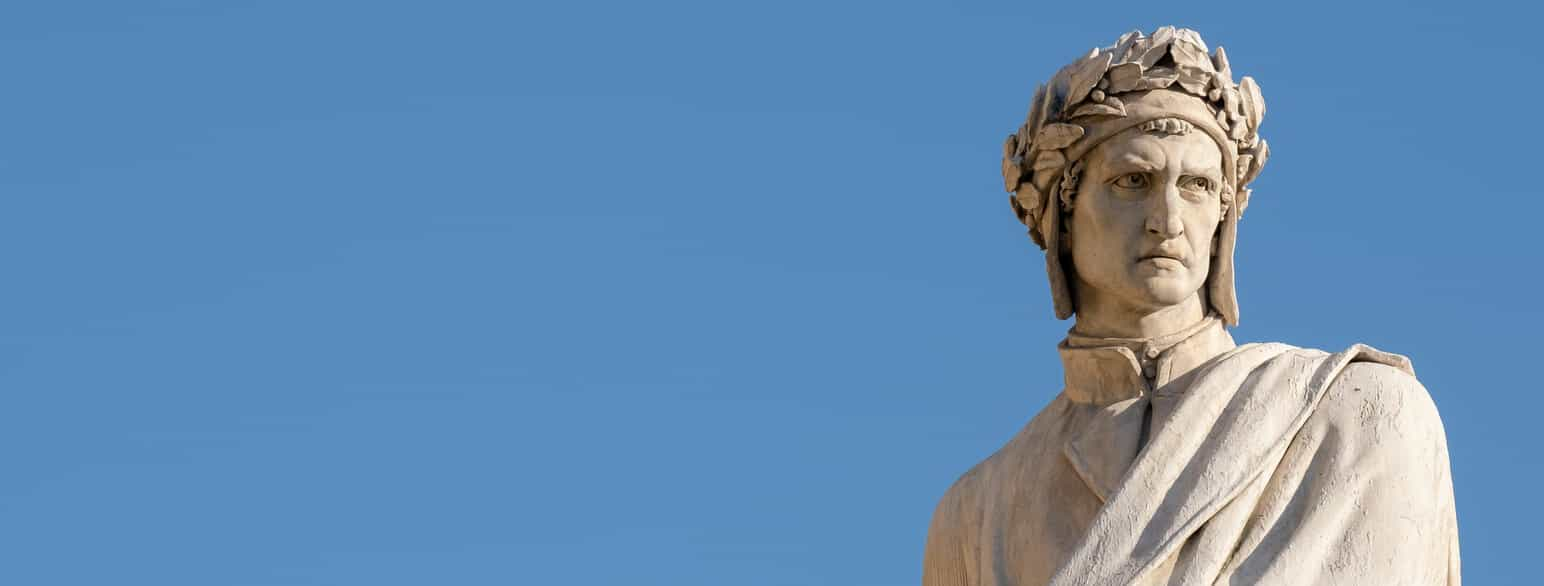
[1035, 513]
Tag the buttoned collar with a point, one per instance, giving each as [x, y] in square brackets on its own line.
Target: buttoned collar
[1102, 371]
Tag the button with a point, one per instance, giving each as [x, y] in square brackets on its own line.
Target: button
[1152, 352]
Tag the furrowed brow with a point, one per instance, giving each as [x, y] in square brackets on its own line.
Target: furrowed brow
[1208, 171]
[1128, 162]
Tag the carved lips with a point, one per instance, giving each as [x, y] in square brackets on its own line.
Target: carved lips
[1165, 256]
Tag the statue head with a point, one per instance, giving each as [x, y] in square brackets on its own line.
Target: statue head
[1132, 172]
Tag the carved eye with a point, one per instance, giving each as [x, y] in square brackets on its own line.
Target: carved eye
[1197, 184]
[1132, 181]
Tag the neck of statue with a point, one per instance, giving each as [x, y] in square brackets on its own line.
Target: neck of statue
[1103, 317]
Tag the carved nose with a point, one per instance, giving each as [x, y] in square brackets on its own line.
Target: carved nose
[1163, 216]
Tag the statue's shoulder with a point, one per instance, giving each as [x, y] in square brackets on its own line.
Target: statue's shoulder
[966, 489]
[958, 510]
[1376, 392]
[1360, 390]
[1023, 449]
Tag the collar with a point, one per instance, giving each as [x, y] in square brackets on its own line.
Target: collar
[1102, 371]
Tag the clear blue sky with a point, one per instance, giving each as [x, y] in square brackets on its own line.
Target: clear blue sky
[477, 293]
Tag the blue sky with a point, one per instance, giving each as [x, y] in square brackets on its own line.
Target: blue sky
[323, 293]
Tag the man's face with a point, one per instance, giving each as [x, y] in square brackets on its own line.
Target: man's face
[1144, 217]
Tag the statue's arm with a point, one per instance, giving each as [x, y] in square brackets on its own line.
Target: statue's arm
[947, 557]
[1364, 495]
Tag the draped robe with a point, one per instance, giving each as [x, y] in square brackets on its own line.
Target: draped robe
[1195, 461]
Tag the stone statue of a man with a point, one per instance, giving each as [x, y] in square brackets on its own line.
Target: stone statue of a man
[1173, 456]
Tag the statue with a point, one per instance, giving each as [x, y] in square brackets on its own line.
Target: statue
[1172, 455]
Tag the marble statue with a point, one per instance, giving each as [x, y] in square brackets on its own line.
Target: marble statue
[1172, 455]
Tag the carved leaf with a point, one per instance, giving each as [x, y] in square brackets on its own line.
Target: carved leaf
[1029, 199]
[1086, 76]
[1253, 102]
[1124, 78]
[1057, 136]
[1239, 130]
[1104, 109]
[1056, 93]
[1138, 48]
[1153, 54]
[1158, 47]
[1188, 54]
[1011, 145]
[1193, 79]
[1034, 234]
[1261, 154]
[1192, 37]
[1037, 108]
[1123, 45]
[1242, 201]
[1013, 173]
[1048, 161]
[1242, 168]
[1220, 65]
[1230, 104]
[1027, 217]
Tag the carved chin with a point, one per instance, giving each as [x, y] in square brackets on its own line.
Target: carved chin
[1168, 289]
